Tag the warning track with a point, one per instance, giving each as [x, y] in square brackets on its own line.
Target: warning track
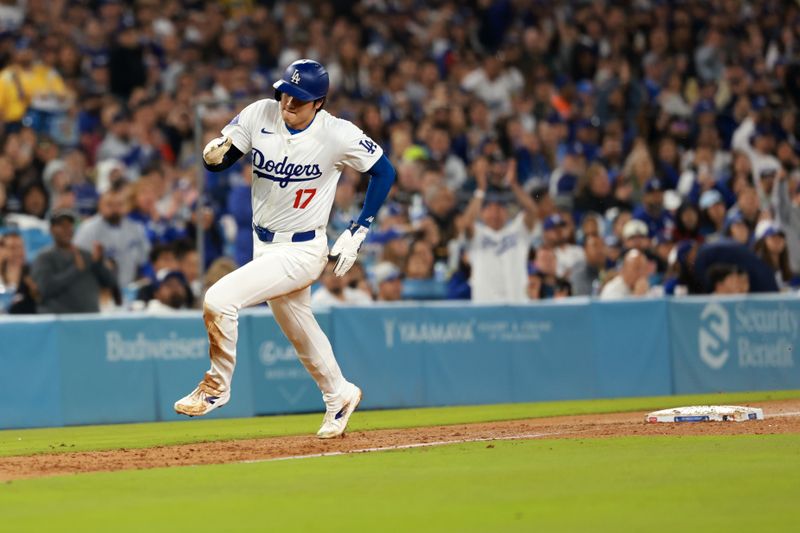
[781, 417]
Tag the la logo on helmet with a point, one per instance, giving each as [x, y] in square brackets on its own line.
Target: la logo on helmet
[296, 77]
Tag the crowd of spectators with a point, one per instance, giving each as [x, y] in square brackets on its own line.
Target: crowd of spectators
[543, 149]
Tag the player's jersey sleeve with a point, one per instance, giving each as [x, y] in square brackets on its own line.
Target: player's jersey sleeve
[242, 127]
[359, 152]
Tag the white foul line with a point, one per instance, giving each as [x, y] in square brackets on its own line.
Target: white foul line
[793, 413]
[406, 446]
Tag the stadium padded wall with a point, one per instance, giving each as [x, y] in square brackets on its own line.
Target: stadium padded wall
[130, 368]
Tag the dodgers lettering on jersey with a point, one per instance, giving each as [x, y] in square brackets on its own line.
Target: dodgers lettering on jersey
[283, 172]
[498, 246]
[295, 176]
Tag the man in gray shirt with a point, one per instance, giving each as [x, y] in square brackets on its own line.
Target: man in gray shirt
[68, 278]
[123, 240]
[585, 273]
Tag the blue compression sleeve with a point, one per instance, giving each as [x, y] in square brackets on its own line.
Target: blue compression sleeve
[381, 179]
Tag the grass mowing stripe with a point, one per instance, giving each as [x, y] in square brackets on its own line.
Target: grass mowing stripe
[713, 483]
[88, 438]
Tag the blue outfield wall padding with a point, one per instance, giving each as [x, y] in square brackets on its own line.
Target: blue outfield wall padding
[280, 382]
[184, 361]
[630, 342]
[107, 370]
[32, 384]
[435, 355]
[551, 359]
[128, 368]
[735, 344]
[371, 353]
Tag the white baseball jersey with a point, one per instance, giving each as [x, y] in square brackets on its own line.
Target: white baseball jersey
[295, 176]
[500, 262]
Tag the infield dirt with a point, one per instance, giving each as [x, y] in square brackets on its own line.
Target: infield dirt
[781, 417]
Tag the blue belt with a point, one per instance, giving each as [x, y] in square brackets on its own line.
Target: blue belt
[265, 235]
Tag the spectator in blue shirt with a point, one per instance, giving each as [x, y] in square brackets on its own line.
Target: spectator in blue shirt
[652, 211]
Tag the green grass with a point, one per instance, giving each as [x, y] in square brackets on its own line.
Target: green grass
[744, 483]
[84, 438]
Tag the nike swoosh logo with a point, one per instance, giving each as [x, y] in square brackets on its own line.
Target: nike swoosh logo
[264, 131]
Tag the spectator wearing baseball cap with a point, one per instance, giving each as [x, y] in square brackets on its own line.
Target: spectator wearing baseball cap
[736, 228]
[635, 235]
[499, 247]
[170, 294]
[556, 234]
[543, 281]
[652, 211]
[712, 215]
[69, 278]
[395, 245]
[388, 282]
[771, 248]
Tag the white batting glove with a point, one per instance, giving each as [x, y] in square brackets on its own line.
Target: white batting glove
[346, 247]
[216, 149]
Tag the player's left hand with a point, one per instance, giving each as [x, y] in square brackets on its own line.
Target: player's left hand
[346, 247]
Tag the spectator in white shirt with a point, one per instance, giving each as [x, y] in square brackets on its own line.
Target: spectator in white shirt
[632, 280]
[499, 244]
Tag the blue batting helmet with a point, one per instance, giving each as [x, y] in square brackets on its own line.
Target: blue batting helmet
[305, 79]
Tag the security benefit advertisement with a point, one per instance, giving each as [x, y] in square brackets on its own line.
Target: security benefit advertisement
[735, 345]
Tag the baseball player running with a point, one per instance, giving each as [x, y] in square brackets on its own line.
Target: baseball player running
[298, 151]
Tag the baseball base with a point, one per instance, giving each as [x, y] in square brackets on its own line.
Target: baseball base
[706, 413]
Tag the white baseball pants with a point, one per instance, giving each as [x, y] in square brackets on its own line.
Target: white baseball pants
[280, 273]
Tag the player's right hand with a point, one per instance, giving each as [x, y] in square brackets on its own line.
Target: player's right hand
[216, 149]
